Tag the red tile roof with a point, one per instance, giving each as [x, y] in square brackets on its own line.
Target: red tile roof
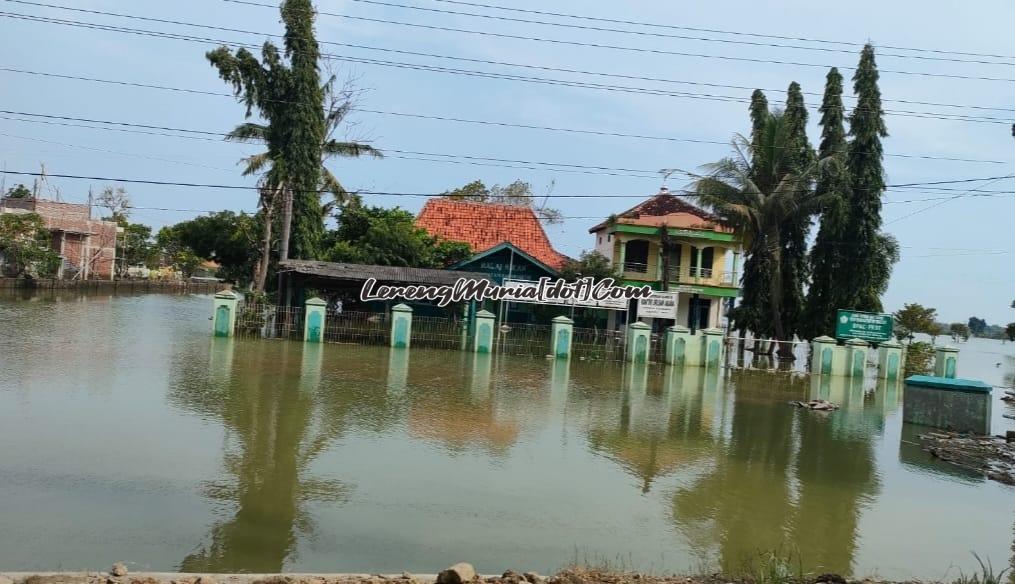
[485, 225]
[667, 209]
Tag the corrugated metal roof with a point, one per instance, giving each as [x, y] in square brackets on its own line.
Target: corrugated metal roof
[384, 274]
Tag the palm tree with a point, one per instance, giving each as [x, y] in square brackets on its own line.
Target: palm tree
[271, 185]
[757, 191]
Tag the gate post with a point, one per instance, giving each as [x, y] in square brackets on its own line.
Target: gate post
[856, 357]
[889, 359]
[401, 326]
[482, 340]
[677, 338]
[711, 349]
[224, 315]
[823, 355]
[313, 320]
[638, 339]
[561, 334]
[946, 361]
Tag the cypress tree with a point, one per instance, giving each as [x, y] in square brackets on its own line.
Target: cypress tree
[798, 156]
[826, 261]
[862, 289]
[305, 127]
[755, 283]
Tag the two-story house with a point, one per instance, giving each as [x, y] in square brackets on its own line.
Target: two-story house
[698, 258]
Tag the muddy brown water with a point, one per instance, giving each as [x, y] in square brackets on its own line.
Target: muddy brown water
[128, 433]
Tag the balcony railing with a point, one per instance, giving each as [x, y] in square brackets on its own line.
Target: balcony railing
[687, 274]
[637, 267]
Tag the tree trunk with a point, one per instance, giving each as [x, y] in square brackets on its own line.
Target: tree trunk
[775, 297]
[261, 269]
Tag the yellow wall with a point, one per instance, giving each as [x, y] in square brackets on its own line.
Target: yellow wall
[718, 258]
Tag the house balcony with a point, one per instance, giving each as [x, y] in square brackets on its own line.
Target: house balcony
[702, 276]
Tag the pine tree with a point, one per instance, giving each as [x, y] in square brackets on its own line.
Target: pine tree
[862, 289]
[752, 312]
[794, 231]
[305, 127]
[826, 261]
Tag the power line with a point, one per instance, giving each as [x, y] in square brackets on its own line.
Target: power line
[970, 193]
[461, 120]
[683, 194]
[476, 73]
[201, 133]
[432, 55]
[644, 33]
[716, 31]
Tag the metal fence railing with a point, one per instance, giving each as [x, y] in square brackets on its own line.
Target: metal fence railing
[363, 328]
[436, 333]
[596, 344]
[523, 339]
[267, 321]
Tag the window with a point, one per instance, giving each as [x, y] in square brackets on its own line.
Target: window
[636, 256]
[609, 237]
[600, 239]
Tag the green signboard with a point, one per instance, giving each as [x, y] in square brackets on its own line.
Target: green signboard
[866, 326]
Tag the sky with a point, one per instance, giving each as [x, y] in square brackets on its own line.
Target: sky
[957, 248]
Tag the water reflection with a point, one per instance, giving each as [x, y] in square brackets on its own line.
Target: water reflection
[783, 479]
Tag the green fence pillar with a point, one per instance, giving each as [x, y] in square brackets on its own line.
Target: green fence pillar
[890, 359]
[561, 333]
[401, 326]
[946, 361]
[677, 338]
[856, 357]
[313, 320]
[638, 339]
[482, 340]
[224, 315]
[711, 347]
[822, 355]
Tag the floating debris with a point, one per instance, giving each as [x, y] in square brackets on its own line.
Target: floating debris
[818, 405]
[991, 456]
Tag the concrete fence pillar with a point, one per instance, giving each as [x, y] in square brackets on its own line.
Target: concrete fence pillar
[856, 358]
[561, 333]
[890, 359]
[822, 355]
[401, 326]
[677, 338]
[638, 339]
[313, 320]
[224, 313]
[482, 340]
[946, 361]
[711, 347]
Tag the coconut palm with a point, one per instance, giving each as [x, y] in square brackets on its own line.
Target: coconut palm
[272, 184]
[757, 191]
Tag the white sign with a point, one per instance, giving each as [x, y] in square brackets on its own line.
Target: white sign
[607, 304]
[659, 305]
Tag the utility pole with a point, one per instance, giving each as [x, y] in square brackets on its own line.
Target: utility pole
[287, 218]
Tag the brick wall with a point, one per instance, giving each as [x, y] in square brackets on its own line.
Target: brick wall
[83, 242]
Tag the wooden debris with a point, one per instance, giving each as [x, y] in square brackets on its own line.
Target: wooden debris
[818, 405]
[991, 456]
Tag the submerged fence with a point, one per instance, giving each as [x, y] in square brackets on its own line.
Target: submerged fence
[636, 342]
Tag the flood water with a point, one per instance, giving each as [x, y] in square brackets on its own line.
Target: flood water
[128, 433]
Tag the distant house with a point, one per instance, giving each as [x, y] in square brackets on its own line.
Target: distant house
[87, 246]
[700, 262]
[485, 226]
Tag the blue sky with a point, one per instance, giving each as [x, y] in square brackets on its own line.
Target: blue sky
[957, 255]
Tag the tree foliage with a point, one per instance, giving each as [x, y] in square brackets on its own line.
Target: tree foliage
[826, 260]
[867, 280]
[759, 191]
[135, 247]
[914, 318]
[19, 191]
[590, 264]
[289, 96]
[518, 193]
[389, 237]
[25, 246]
[977, 325]
[959, 330]
[1009, 331]
[224, 237]
[117, 201]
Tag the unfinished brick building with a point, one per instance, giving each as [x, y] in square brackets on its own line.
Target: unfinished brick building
[87, 246]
